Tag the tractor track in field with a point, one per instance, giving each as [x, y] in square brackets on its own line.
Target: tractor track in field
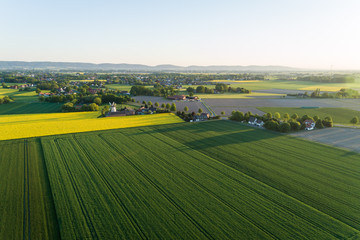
[26, 205]
[159, 189]
[218, 198]
[309, 200]
[133, 221]
[84, 211]
[254, 190]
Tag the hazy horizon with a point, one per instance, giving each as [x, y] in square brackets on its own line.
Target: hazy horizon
[301, 34]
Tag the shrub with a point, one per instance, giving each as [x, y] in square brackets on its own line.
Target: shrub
[319, 124]
[284, 127]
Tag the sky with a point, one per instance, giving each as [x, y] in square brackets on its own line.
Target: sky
[318, 34]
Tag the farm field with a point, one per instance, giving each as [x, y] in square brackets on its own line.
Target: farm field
[26, 206]
[347, 138]
[339, 115]
[224, 181]
[19, 96]
[29, 108]
[151, 182]
[228, 105]
[35, 125]
[285, 84]
[239, 95]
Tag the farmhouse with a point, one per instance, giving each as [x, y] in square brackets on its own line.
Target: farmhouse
[177, 97]
[252, 120]
[309, 124]
[201, 117]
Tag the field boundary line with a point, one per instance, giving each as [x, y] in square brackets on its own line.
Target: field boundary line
[160, 190]
[112, 191]
[77, 193]
[259, 193]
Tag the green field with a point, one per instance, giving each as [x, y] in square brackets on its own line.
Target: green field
[27, 209]
[339, 115]
[29, 108]
[210, 180]
[287, 84]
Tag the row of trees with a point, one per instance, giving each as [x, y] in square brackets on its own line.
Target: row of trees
[342, 93]
[284, 124]
[219, 87]
[69, 107]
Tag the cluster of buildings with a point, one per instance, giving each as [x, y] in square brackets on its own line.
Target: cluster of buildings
[128, 112]
[22, 86]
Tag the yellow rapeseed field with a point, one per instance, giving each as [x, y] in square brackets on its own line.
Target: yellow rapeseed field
[35, 125]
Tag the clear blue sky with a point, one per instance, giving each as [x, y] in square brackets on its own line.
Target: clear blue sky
[299, 33]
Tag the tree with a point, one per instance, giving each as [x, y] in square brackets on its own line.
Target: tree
[354, 120]
[328, 122]
[200, 110]
[173, 107]
[93, 107]
[97, 100]
[285, 127]
[156, 104]
[105, 110]
[191, 94]
[68, 107]
[168, 106]
[38, 90]
[150, 103]
[277, 115]
[319, 124]
[222, 113]
[268, 115]
[316, 118]
[163, 105]
[295, 116]
[143, 102]
[186, 109]
[286, 116]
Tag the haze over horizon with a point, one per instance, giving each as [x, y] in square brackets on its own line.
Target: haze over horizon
[302, 34]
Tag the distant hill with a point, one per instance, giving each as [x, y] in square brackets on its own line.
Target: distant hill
[21, 65]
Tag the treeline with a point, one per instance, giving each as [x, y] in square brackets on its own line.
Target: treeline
[337, 78]
[78, 98]
[219, 88]
[283, 123]
[158, 90]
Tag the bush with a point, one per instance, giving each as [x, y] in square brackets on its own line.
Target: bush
[97, 101]
[328, 122]
[284, 127]
[272, 125]
[294, 125]
[68, 107]
[319, 124]
[295, 116]
[237, 116]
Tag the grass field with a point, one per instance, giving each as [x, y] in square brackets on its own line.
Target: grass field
[339, 115]
[210, 180]
[35, 125]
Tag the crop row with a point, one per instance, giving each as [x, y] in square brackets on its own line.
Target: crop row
[311, 173]
[231, 192]
[26, 207]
